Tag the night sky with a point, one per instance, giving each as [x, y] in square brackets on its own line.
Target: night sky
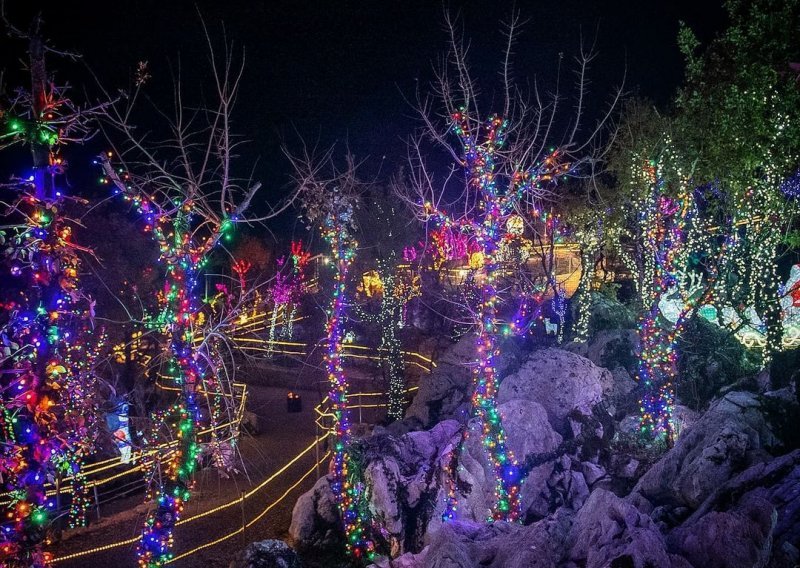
[340, 70]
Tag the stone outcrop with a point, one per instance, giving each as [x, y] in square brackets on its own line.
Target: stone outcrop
[732, 435]
[560, 381]
[315, 518]
[592, 496]
[266, 554]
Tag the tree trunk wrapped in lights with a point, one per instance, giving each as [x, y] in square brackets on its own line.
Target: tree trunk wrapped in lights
[396, 290]
[679, 262]
[48, 347]
[481, 146]
[589, 234]
[504, 167]
[189, 203]
[49, 389]
[329, 205]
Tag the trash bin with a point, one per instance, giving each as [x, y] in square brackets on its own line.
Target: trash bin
[293, 402]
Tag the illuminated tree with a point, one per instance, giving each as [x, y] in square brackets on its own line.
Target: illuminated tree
[286, 291]
[190, 199]
[385, 232]
[396, 287]
[504, 164]
[48, 344]
[589, 234]
[677, 243]
[329, 196]
[739, 113]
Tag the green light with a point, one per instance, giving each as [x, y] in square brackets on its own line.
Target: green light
[39, 517]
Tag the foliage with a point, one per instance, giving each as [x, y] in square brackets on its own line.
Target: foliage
[710, 358]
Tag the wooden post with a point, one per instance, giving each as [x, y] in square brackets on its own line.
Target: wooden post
[58, 494]
[97, 501]
[244, 523]
[316, 447]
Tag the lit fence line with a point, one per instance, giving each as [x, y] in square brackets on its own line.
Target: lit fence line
[197, 516]
[257, 518]
[297, 348]
[322, 411]
[141, 459]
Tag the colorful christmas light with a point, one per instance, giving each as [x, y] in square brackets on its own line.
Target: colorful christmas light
[183, 253]
[497, 196]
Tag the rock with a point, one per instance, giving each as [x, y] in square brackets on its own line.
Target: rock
[608, 313]
[621, 393]
[315, 518]
[738, 538]
[266, 554]
[727, 439]
[683, 417]
[786, 394]
[527, 428]
[445, 388]
[755, 515]
[530, 434]
[475, 478]
[578, 490]
[609, 348]
[630, 425]
[592, 472]
[407, 560]
[440, 395]
[496, 545]
[611, 532]
[445, 392]
[628, 468]
[382, 476]
[421, 446]
[560, 381]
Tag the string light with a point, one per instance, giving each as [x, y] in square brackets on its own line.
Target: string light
[184, 255]
[480, 236]
[47, 382]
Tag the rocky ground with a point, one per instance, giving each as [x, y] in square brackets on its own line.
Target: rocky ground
[727, 494]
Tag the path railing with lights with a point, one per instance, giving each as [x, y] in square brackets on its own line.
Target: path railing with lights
[322, 419]
[103, 472]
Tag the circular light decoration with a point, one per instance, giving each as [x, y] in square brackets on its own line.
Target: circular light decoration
[515, 225]
[791, 186]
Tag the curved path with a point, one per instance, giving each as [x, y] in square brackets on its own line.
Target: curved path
[282, 436]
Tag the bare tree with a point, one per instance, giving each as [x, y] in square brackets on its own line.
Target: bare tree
[329, 196]
[185, 187]
[505, 162]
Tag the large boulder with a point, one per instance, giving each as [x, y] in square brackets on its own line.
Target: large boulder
[562, 382]
[461, 544]
[445, 392]
[527, 428]
[751, 520]
[609, 348]
[728, 438]
[608, 313]
[315, 518]
[266, 554]
[740, 537]
[609, 531]
[404, 479]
